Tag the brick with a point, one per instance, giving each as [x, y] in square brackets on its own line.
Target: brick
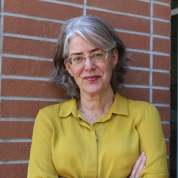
[141, 94]
[123, 21]
[164, 113]
[162, 62]
[168, 147]
[137, 77]
[139, 59]
[161, 96]
[161, 79]
[21, 151]
[161, 11]
[26, 67]
[42, 9]
[29, 47]
[165, 1]
[31, 88]
[9, 130]
[13, 170]
[129, 6]
[168, 163]
[32, 27]
[166, 130]
[162, 28]
[162, 45]
[20, 108]
[135, 41]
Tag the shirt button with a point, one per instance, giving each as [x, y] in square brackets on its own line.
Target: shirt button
[96, 125]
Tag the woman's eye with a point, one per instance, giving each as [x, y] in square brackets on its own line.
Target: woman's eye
[77, 59]
[99, 55]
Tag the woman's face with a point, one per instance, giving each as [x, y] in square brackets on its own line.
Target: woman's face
[91, 77]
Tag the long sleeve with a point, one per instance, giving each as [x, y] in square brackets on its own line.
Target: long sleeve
[65, 144]
[41, 163]
[152, 142]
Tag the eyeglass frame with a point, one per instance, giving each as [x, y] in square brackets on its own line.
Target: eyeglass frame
[106, 53]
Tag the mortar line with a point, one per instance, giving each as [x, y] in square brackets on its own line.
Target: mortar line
[1, 39]
[146, 87]
[16, 140]
[148, 69]
[26, 57]
[165, 122]
[33, 17]
[161, 36]
[13, 119]
[15, 35]
[20, 77]
[161, 104]
[63, 21]
[147, 51]
[15, 162]
[21, 98]
[6, 119]
[156, 2]
[84, 7]
[151, 49]
[55, 40]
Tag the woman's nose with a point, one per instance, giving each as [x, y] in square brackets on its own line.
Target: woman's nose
[89, 64]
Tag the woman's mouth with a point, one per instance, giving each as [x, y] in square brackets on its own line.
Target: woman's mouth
[92, 78]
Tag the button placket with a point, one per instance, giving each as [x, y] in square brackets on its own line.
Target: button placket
[91, 155]
[97, 127]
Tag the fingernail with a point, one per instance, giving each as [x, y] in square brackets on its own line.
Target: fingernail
[144, 157]
[143, 153]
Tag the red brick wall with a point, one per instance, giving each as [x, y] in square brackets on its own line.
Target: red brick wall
[29, 29]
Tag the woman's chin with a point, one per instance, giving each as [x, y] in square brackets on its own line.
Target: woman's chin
[93, 91]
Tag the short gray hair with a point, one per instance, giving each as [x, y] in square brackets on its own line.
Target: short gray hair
[89, 27]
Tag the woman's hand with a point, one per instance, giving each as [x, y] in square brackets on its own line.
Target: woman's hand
[138, 166]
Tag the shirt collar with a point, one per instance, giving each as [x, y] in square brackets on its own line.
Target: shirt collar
[120, 106]
[67, 108]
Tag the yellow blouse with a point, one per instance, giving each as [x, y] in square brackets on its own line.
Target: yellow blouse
[64, 143]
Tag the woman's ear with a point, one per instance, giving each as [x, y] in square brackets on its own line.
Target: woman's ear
[68, 67]
[115, 57]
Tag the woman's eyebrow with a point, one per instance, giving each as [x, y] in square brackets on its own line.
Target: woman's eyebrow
[96, 49]
[79, 53]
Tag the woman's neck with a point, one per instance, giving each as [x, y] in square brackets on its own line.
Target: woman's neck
[95, 106]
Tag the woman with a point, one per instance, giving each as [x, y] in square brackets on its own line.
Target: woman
[98, 133]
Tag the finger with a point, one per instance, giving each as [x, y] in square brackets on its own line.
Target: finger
[140, 168]
[136, 165]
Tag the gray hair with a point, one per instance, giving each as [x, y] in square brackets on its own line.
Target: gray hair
[92, 29]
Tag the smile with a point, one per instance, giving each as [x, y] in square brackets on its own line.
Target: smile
[92, 78]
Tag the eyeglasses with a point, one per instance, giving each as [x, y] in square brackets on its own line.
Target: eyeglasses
[96, 56]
